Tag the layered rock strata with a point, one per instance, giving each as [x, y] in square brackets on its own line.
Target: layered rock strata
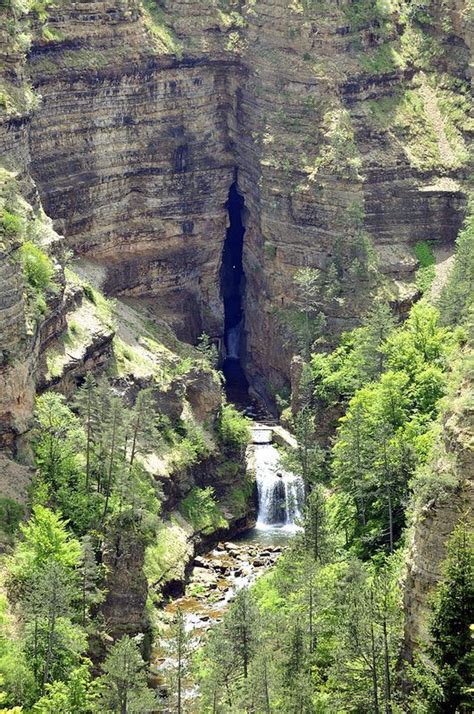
[144, 124]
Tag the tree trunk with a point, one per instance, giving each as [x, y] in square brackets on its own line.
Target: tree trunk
[388, 692]
[111, 466]
[374, 667]
[390, 518]
[265, 686]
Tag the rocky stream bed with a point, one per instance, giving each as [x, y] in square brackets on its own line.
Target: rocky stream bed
[215, 578]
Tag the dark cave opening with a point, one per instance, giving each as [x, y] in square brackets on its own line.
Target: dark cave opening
[232, 291]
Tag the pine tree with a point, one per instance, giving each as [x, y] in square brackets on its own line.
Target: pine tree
[49, 631]
[125, 680]
[450, 628]
[308, 458]
[241, 629]
[180, 651]
[113, 428]
[58, 439]
[86, 401]
[142, 425]
[295, 660]
[307, 321]
[315, 526]
[89, 577]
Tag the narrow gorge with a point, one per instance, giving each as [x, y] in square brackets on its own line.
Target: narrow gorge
[236, 250]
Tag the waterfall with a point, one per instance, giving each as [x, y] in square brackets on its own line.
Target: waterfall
[280, 492]
[233, 342]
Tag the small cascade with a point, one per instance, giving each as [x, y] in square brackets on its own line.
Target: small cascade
[233, 342]
[280, 492]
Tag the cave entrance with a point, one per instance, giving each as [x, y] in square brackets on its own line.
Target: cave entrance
[232, 292]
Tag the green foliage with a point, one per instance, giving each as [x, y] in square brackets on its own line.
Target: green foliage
[339, 152]
[424, 254]
[208, 350]
[79, 694]
[166, 556]
[45, 540]
[11, 513]
[362, 14]
[124, 682]
[426, 272]
[306, 636]
[441, 676]
[233, 428]
[393, 380]
[156, 22]
[451, 624]
[456, 300]
[201, 510]
[358, 359]
[306, 321]
[37, 266]
[39, 272]
[11, 225]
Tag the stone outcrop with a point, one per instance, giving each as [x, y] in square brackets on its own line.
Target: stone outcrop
[437, 515]
[126, 584]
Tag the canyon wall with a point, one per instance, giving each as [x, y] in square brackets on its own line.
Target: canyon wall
[338, 131]
[343, 124]
[449, 499]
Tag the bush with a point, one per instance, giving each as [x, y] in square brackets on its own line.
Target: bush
[11, 514]
[233, 427]
[426, 272]
[37, 267]
[201, 510]
[424, 254]
[11, 225]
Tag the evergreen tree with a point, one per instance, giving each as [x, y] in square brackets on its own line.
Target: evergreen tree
[58, 439]
[53, 642]
[456, 301]
[90, 574]
[241, 629]
[114, 430]
[315, 523]
[180, 652]
[86, 401]
[450, 627]
[124, 683]
[307, 321]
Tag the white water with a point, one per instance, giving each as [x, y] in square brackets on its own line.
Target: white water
[233, 342]
[280, 492]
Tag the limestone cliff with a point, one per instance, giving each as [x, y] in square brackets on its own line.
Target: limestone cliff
[343, 122]
[448, 498]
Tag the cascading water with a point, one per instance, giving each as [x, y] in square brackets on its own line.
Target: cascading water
[280, 492]
[233, 342]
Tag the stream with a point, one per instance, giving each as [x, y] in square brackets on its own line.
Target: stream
[219, 574]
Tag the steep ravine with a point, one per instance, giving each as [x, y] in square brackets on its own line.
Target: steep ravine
[137, 139]
[338, 131]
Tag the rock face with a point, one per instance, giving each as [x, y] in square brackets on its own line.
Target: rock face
[435, 520]
[124, 607]
[144, 124]
[339, 127]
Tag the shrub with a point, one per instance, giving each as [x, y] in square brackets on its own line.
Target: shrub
[37, 266]
[201, 510]
[11, 514]
[11, 225]
[233, 427]
[426, 273]
[424, 254]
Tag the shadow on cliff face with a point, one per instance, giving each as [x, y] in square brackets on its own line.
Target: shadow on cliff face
[232, 291]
